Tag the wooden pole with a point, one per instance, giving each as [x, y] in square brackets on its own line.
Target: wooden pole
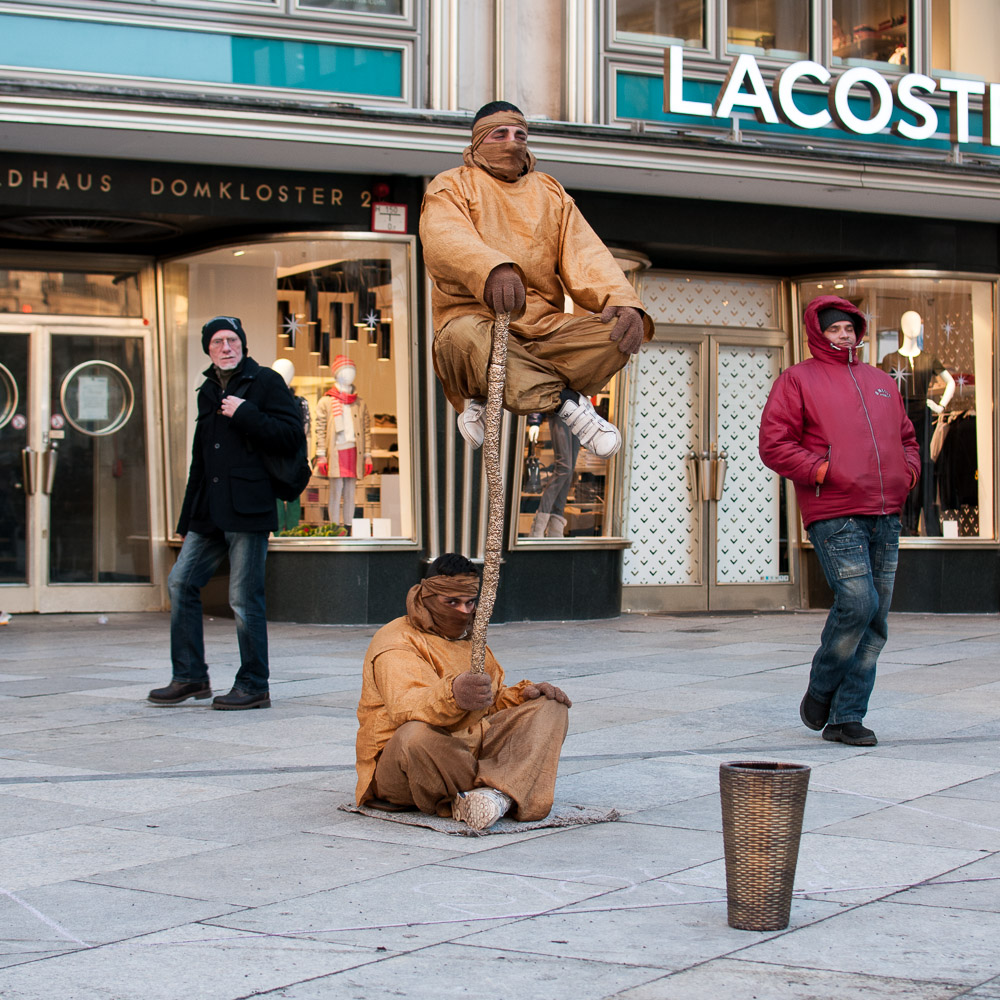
[496, 375]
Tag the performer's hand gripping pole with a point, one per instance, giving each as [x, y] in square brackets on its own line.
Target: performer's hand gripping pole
[496, 375]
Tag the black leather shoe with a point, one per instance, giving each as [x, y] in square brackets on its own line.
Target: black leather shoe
[238, 699]
[813, 712]
[852, 733]
[177, 691]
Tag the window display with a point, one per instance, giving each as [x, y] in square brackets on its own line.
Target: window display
[776, 28]
[934, 336]
[679, 21]
[871, 31]
[332, 316]
[564, 491]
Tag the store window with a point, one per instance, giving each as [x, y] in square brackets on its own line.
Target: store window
[963, 38]
[775, 28]
[871, 31]
[563, 491]
[70, 293]
[335, 318]
[681, 22]
[935, 336]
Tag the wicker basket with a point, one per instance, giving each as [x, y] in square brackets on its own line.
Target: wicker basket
[762, 805]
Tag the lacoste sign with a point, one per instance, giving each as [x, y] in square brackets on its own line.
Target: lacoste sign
[744, 89]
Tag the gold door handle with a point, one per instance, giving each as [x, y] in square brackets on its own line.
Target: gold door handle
[49, 468]
[718, 475]
[29, 468]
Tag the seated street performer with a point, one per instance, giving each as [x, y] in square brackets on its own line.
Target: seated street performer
[499, 236]
[435, 735]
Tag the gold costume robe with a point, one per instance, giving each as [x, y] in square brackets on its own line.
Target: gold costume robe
[407, 677]
[470, 223]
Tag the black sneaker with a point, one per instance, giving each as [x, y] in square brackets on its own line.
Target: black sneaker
[852, 733]
[177, 691]
[813, 712]
[238, 699]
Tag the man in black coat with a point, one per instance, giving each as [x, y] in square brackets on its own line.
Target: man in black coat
[229, 509]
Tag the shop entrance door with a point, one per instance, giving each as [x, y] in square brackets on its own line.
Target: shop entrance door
[75, 517]
[708, 523]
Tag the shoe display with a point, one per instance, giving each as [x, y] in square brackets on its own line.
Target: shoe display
[472, 422]
[178, 691]
[238, 699]
[480, 807]
[851, 733]
[813, 712]
[596, 434]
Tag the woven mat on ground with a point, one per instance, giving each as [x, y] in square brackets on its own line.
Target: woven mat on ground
[562, 814]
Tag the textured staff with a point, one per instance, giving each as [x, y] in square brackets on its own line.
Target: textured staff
[496, 375]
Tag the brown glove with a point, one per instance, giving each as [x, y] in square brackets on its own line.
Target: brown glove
[504, 291]
[472, 692]
[550, 691]
[628, 330]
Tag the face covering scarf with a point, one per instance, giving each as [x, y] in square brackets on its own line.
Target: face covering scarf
[430, 614]
[504, 160]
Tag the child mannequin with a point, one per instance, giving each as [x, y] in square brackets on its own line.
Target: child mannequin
[343, 431]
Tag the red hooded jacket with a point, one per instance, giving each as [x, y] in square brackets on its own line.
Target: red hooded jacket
[833, 407]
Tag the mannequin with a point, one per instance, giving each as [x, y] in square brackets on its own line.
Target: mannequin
[913, 370]
[343, 439]
[550, 520]
[290, 511]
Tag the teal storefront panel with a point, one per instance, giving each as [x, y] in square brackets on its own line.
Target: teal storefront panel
[640, 96]
[199, 56]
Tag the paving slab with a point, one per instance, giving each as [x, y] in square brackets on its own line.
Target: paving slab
[164, 853]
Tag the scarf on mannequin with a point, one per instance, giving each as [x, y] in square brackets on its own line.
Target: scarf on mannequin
[504, 160]
[429, 614]
[338, 400]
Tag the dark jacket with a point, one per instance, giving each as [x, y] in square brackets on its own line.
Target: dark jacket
[833, 407]
[228, 487]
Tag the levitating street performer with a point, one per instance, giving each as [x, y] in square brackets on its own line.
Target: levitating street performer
[435, 735]
[498, 236]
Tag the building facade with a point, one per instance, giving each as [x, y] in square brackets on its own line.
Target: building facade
[164, 162]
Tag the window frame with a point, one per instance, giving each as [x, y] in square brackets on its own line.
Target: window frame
[799, 342]
[177, 465]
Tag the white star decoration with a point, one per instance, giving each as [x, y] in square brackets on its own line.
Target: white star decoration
[900, 374]
[949, 329]
[371, 320]
[292, 326]
[962, 381]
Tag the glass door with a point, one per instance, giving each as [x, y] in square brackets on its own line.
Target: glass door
[75, 521]
[708, 522]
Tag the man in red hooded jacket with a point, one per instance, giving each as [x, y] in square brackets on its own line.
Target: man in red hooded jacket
[838, 429]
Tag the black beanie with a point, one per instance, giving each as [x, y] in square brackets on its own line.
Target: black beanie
[222, 323]
[827, 317]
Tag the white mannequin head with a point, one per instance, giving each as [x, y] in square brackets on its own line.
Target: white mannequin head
[910, 324]
[285, 369]
[343, 371]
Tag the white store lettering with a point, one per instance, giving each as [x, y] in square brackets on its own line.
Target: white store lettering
[744, 88]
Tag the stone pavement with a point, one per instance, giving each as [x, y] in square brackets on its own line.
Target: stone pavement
[184, 853]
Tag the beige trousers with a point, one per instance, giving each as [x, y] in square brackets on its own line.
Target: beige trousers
[577, 354]
[426, 766]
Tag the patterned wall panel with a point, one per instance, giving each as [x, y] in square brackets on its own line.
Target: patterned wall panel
[709, 301]
[661, 519]
[748, 521]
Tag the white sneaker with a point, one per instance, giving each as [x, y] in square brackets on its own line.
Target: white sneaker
[472, 422]
[598, 436]
[481, 807]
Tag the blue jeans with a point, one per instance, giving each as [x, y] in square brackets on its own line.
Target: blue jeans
[565, 448]
[199, 558]
[858, 556]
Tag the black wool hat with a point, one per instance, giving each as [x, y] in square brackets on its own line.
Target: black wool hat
[222, 323]
[827, 317]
